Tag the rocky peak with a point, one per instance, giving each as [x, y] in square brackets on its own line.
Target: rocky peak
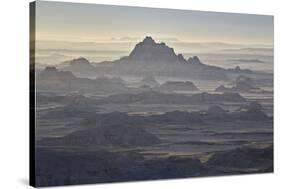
[148, 40]
[148, 50]
[181, 58]
[237, 68]
[194, 60]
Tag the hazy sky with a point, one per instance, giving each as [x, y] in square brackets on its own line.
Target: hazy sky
[102, 23]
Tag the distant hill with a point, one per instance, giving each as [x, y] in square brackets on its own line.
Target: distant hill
[238, 70]
[77, 66]
[154, 97]
[149, 81]
[242, 84]
[53, 79]
[177, 86]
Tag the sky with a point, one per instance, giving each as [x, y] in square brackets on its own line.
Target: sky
[76, 22]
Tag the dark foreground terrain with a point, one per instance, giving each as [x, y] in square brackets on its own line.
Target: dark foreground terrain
[78, 142]
[64, 167]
